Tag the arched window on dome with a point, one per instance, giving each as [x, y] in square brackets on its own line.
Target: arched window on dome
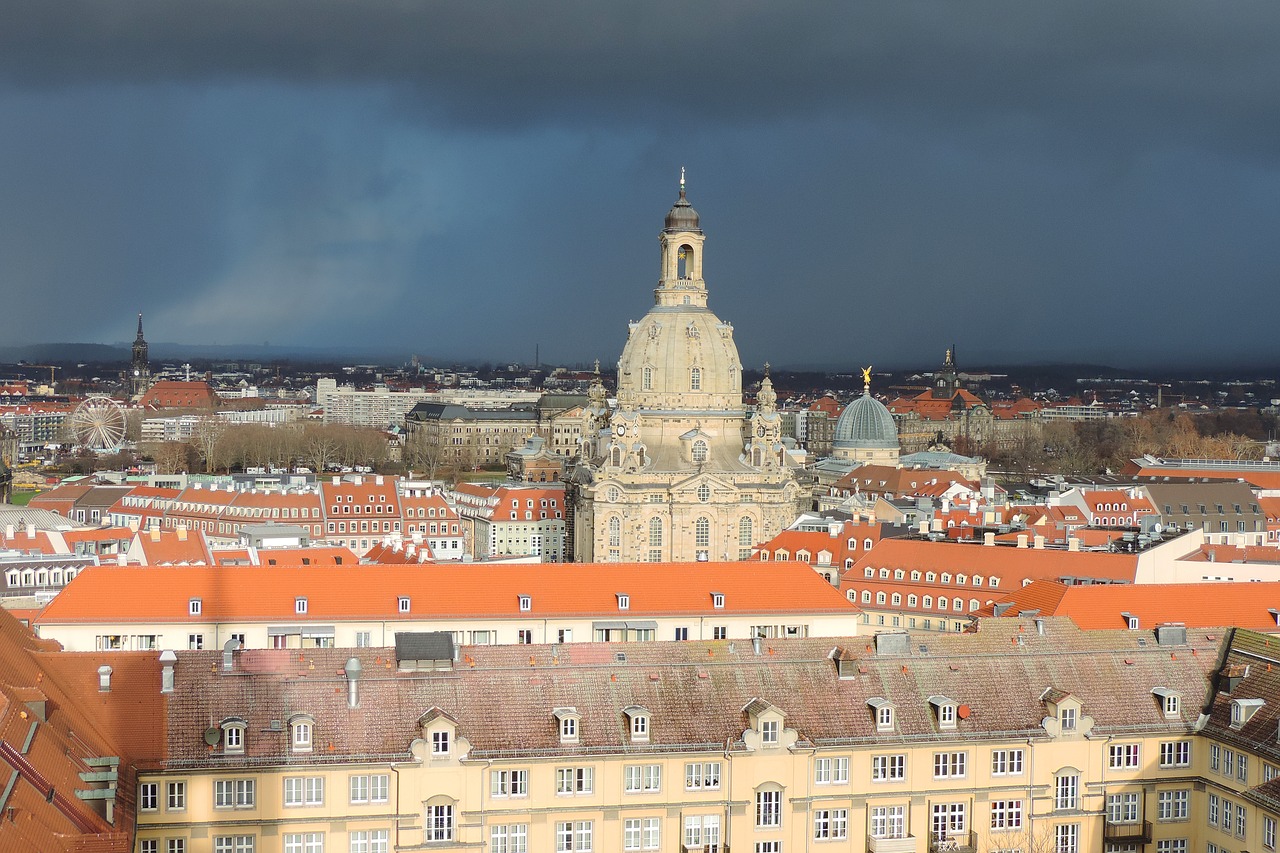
[695, 379]
[699, 451]
[646, 379]
[615, 456]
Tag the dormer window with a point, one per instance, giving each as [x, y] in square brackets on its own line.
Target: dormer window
[233, 736]
[567, 719]
[301, 734]
[441, 743]
[1067, 719]
[1170, 702]
[1242, 710]
[946, 710]
[717, 600]
[526, 603]
[300, 605]
[624, 601]
[404, 604]
[769, 732]
[883, 712]
[1131, 622]
[638, 719]
[699, 452]
[194, 607]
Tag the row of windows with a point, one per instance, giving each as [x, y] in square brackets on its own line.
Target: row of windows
[359, 841]
[961, 579]
[926, 602]
[298, 791]
[38, 577]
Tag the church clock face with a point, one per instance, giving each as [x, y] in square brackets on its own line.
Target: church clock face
[760, 430]
[621, 429]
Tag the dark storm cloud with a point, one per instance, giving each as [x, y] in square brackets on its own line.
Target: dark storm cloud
[1033, 180]
[1122, 65]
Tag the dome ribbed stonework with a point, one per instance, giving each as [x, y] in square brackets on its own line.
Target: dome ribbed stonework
[865, 423]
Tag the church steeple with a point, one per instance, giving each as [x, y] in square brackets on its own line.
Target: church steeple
[139, 365]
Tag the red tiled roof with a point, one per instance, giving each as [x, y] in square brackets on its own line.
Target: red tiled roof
[149, 594]
[1011, 565]
[79, 722]
[1198, 605]
[167, 394]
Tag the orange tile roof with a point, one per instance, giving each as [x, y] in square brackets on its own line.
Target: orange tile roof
[170, 547]
[168, 394]
[816, 541]
[1258, 479]
[1198, 605]
[98, 534]
[80, 723]
[1011, 565]
[1232, 554]
[120, 595]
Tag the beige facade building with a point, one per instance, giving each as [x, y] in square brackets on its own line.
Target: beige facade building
[1091, 743]
[679, 470]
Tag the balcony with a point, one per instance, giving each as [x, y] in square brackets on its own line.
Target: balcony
[1138, 831]
[704, 848]
[955, 842]
[905, 844]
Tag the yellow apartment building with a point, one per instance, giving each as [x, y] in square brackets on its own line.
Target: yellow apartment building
[1012, 739]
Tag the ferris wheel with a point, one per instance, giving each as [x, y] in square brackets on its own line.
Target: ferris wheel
[98, 424]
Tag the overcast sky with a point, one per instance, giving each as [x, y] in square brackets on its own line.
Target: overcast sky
[1088, 180]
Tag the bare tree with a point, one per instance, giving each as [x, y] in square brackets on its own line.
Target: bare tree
[207, 438]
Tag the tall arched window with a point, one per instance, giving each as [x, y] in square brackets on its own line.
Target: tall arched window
[699, 451]
[615, 532]
[746, 535]
[655, 533]
[695, 379]
[646, 381]
[702, 533]
[615, 456]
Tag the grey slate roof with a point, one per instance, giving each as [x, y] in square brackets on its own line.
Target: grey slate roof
[424, 645]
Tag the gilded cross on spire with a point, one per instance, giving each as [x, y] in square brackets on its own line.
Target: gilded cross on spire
[682, 179]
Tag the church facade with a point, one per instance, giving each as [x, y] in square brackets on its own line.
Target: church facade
[679, 470]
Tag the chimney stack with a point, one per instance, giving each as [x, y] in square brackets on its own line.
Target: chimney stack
[988, 539]
[1073, 543]
[169, 659]
[104, 679]
[1022, 540]
[1039, 542]
[228, 658]
[31, 531]
[352, 670]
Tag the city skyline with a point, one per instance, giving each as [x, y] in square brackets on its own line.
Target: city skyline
[1090, 184]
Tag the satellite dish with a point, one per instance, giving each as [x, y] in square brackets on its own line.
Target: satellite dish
[963, 712]
[1158, 527]
[212, 736]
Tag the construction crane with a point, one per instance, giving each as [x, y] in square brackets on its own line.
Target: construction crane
[52, 368]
